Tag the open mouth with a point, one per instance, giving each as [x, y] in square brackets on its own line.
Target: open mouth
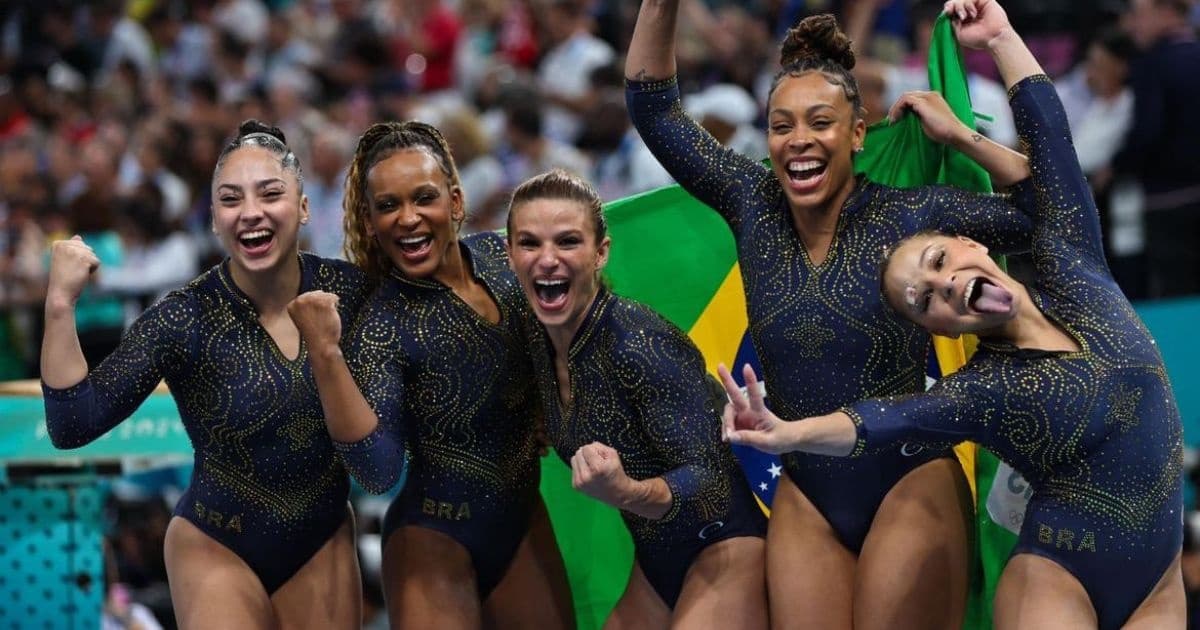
[984, 296]
[805, 171]
[551, 292]
[256, 241]
[415, 246]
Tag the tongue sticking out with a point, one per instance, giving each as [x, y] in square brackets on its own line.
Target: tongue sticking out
[992, 298]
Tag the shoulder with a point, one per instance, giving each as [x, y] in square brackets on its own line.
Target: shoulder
[643, 334]
[339, 277]
[489, 245]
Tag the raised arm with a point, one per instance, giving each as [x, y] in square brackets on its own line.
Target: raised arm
[374, 454]
[1064, 199]
[82, 406]
[983, 24]
[716, 175]
[651, 55]
[71, 265]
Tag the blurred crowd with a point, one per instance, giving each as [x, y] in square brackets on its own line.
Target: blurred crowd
[112, 113]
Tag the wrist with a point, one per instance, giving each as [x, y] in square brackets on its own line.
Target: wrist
[1006, 37]
[327, 353]
[630, 494]
[963, 138]
[59, 304]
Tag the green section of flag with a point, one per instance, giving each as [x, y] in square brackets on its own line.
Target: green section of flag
[594, 543]
[668, 251]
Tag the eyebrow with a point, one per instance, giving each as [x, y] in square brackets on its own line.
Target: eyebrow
[808, 112]
[923, 261]
[259, 185]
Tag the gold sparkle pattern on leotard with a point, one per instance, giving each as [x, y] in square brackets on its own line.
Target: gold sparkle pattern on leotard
[457, 388]
[638, 385]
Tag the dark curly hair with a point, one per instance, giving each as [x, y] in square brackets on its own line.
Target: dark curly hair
[817, 44]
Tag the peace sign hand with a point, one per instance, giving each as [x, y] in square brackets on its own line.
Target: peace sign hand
[747, 420]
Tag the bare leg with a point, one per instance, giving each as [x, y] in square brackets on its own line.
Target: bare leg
[725, 587]
[810, 575]
[327, 591]
[1035, 592]
[914, 568]
[1165, 606]
[640, 608]
[211, 587]
[534, 593]
[429, 581]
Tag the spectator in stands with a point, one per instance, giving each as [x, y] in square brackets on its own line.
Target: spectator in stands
[1160, 147]
[564, 74]
[1099, 108]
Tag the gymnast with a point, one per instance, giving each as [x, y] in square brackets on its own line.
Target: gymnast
[1067, 386]
[263, 537]
[437, 366]
[629, 409]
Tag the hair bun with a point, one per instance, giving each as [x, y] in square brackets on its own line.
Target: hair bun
[257, 126]
[817, 37]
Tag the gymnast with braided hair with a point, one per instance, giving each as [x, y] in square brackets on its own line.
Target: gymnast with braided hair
[263, 536]
[1067, 386]
[437, 367]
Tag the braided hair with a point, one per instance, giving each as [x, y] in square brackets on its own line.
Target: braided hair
[378, 143]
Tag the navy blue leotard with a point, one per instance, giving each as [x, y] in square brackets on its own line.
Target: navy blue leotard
[267, 482]
[822, 332]
[1097, 432]
[638, 385]
[459, 391]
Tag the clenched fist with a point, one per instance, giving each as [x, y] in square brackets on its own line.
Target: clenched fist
[71, 265]
[597, 472]
[316, 317]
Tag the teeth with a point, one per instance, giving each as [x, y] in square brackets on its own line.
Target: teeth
[413, 240]
[256, 234]
[806, 165]
[967, 292]
[550, 283]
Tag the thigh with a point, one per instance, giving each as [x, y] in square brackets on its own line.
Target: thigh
[327, 590]
[726, 587]
[810, 575]
[914, 569]
[429, 581]
[534, 593]
[640, 607]
[1165, 606]
[1036, 592]
[211, 587]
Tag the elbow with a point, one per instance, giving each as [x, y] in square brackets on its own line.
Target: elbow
[383, 478]
[63, 439]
